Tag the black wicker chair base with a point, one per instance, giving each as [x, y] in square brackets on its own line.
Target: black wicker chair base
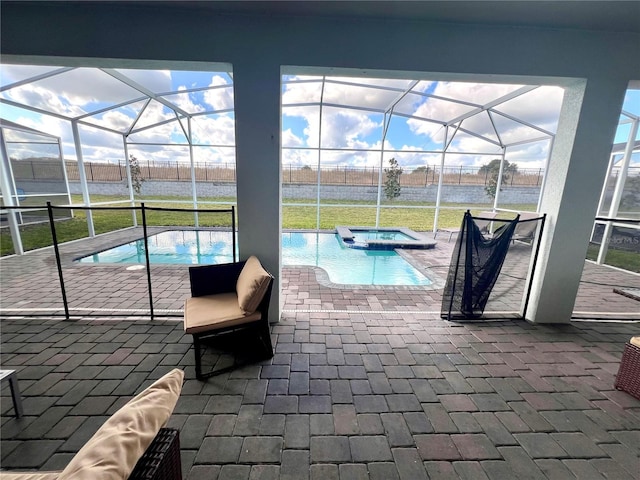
[628, 378]
[161, 461]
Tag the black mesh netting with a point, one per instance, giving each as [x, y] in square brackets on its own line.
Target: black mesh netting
[475, 266]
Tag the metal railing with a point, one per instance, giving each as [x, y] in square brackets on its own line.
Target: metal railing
[51, 209]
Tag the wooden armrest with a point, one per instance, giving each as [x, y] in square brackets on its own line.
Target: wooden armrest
[213, 279]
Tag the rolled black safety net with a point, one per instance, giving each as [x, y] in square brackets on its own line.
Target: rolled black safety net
[475, 266]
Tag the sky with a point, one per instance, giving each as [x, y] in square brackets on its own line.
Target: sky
[349, 136]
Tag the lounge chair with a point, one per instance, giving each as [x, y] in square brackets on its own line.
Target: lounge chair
[527, 226]
[483, 224]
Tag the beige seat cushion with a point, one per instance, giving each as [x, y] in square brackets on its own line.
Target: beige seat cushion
[114, 450]
[29, 475]
[635, 341]
[252, 285]
[210, 312]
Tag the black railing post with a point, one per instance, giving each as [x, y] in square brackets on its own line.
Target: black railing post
[533, 267]
[58, 262]
[233, 231]
[146, 256]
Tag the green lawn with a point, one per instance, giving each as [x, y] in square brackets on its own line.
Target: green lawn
[617, 258]
[294, 217]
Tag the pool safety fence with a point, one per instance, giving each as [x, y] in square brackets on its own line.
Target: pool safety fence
[143, 209]
[478, 259]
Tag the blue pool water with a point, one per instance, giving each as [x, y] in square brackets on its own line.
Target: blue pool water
[362, 236]
[324, 250]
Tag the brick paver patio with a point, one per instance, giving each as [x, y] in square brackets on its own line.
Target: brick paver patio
[377, 396]
[365, 383]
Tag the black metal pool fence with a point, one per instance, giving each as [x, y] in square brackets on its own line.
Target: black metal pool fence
[143, 210]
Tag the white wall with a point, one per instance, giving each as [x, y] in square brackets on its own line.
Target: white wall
[261, 48]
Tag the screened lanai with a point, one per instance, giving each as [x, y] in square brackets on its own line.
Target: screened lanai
[459, 145]
[179, 125]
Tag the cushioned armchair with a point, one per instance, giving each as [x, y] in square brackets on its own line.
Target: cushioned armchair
[226, 298]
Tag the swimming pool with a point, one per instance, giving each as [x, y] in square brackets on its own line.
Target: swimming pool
[324, 250]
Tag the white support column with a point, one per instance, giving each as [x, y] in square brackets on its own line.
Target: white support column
[194, 193]
[83, 178]
[575, 176]
[127, 164]
[385, 126]
[496, 198]
[257, 86]
[7, 197]
[436, 214]
[64, 171]
[319, 172]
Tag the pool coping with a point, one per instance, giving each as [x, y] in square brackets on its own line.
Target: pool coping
[419, 241]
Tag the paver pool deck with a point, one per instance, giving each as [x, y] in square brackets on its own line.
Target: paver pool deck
[365, 383]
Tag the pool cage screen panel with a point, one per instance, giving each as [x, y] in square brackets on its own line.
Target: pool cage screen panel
[34, 166]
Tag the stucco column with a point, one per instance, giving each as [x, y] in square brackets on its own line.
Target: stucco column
[257, 111]
[575, 176]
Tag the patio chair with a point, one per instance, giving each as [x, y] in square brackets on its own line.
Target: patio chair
[526, 230]
[483, 224]
[228, 298]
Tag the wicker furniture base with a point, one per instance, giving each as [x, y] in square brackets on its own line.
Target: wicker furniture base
[161, 461]
[628, 378]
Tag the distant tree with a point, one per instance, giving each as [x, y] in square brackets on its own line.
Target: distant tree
[491, 170]
[421, 169]
[306, 167]
[392, 182]
[136, 174]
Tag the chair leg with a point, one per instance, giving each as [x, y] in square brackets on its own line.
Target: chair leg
[198, 355]
[266, 336]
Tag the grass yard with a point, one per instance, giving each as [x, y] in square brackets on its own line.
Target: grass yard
[617, 258]
[416, 216]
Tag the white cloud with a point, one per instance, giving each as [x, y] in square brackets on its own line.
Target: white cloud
[289, 139]
[219, 98]
[44, 99]
[157, 81]
[214, 129]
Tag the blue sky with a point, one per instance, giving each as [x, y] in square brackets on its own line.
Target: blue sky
[359, 131]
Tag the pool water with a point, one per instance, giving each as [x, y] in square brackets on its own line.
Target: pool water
[362, 236]
[324, 250]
